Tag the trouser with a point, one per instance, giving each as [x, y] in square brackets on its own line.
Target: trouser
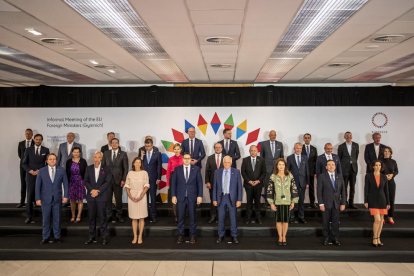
[391, 191]
[213, 209]
[116, 189]
[23, 185]
[350, 180]
[97, 213]
[312, 189]
[226, 202]
[330, 221]
[190, 205]
[253, 198]
[51, 211]
[31, 185]
[152, 207]
[300, 207]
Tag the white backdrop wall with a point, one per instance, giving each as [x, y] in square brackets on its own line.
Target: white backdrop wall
[131, 125]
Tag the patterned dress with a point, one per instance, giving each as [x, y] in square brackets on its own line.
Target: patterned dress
[77, 191]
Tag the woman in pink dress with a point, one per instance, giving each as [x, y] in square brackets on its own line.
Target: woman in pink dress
[173, 161]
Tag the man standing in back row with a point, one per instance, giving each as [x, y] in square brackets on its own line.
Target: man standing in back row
[230, 147]
[312, 154]
[23, 145]
[374, 151]
[194, 147]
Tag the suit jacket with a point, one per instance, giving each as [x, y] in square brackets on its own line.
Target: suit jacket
[329, 196]
[198, 150]
[370, 156]
[22, 148]
[266, 153]
[259, 172]
[46, 190]
[301, 173]
[348, 161]
[142, 149]
[192, 188]
[321, 164]
[31, 161]
[235, 189]
[211, 168]
[118, 167]
[376, 197]
[101, 184]
[154, 167]
[104, 148]
[313, 155]
[234, 151]
[63, 155]
[82, 168]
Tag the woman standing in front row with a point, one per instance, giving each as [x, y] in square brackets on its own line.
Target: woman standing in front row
[282, 194]
[137, 185]
[390, 171]
[377, 199]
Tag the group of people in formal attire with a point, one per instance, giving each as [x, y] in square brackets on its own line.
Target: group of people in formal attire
[49, 179]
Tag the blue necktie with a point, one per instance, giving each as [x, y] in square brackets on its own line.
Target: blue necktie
[333, 181]
[226, 182]
[298, 161]
[186, 174]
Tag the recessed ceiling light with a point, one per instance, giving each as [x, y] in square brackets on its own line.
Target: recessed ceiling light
[219, 40]
[56, 41]
[372, 46]
[389, 38]
[339, 64]
[94, 62]
[220, 65]
[111, 71]
[71, 49]
[33, 31]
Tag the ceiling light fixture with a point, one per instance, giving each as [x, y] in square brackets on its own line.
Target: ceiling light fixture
[111, 71]
[94, 62]
[118, 20]
[313, 24]
[33, 31]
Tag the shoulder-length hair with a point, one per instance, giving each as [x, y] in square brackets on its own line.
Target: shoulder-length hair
[276, 170]
[133, 162]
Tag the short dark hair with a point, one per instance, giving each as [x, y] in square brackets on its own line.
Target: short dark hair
[51, 154]
[109, 133]
[307, 134]
[29, 129]
[133, 162]
[226, 130]
[115, 139]
[76, 148]
[148, 141]
[38, 135]
[378, 161]
[330, 160]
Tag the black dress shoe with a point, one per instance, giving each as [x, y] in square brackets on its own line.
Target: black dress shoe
[45, 241]
[220, 239]
[57, 241]
[259, 221]
[180, 239]
[337, 243]
[247, 221]
[105, 242]
[316, 205]
[154, 220]
[235, 241]
[29, 220]
[192, 240]
[211, 220]
[90, 241]
[120, 219]
[303, 221]
[279, 243]
[327, 242]
[21, 205]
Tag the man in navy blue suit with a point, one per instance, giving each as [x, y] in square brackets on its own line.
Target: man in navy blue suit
[193, 146]
[187, 192]
[323, 159]
[152, 163]
[227, 192]
[48, 195]
[230, 147]
[298, 165]
[97, 180]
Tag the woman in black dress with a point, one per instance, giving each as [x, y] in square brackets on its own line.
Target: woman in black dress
[390, 170]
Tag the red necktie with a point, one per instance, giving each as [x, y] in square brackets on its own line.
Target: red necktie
[218, 161]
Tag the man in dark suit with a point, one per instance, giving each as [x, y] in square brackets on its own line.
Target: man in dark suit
[48, 195]
[23, 145]
[312, 154]
[152, 163]
[141, 150]
[331, 199]
[348, 155]
[322, 160]
[374, 151]
[230, 147]
[271, 150]
[214, 162]
[117, 162]
[253, 170]
[109, 136]
[97, 181]
[298, 165]
[187, 192]
[227, 193]
[34, 159]
[193, 146]
[65, 149]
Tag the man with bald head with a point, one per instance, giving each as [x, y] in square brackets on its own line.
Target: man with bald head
[65, 149]
[253, 170]
[270, 151]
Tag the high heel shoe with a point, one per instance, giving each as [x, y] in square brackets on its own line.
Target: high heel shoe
[72, 220]
[78, 220]
[134, 241]
[391, 221]
[379, 242]
[373, 242]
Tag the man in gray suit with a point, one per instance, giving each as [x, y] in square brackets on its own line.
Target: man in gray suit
[348, 155]
[65, 149]
[271, 150]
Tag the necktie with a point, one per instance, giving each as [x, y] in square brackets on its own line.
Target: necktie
[273, 148]
[307, 150]
[253, 163]
[191, 147]
[333, 181]
[53, 174]
[27, 144]
[227, 146]
[148, 157]
[37, 150]
[113, 157]
[226, 182]
[298, 161]
[186, 174]
[218, 160]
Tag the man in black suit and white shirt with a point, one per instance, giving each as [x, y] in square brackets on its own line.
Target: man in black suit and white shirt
[23, 145]
[331, 199]
[312, 154]
[214, 162]
[117, 162]
[270, 151]
[374, 151]
[348, 155]
[323, 159]
[109, 136]
[230, 147]
[253, 170]
[34, 159]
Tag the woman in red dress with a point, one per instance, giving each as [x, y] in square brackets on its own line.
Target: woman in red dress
[173, 161]
[377, 199]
